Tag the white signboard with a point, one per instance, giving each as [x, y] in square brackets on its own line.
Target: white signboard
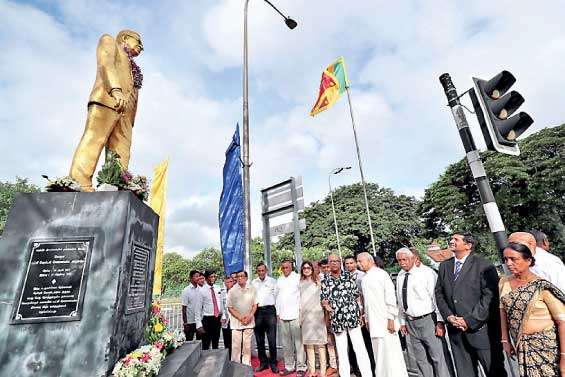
[287, 228]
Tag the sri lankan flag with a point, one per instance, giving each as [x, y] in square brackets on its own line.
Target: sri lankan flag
[333, 84]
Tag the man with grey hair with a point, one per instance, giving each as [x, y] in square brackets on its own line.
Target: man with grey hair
[341, 299]
[381, 314]
[419, 315]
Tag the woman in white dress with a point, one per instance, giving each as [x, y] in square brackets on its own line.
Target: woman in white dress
[314, 332]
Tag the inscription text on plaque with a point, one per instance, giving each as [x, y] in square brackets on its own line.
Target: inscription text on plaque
[54, 283]
[138, 278]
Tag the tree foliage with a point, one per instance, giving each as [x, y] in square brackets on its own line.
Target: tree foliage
[529, 190]
[394, 218]
[175, 274]
[8, 191]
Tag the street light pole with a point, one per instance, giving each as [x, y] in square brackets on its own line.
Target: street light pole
[291, 24]
[334, 172]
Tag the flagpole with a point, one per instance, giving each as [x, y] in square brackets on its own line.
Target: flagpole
[361, 171]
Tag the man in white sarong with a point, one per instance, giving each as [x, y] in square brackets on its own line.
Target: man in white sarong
[381, 313]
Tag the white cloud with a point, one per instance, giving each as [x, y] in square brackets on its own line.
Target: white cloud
[191, 97]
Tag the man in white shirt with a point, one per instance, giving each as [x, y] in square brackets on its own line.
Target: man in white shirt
[202, 280]
[226, 329]
[190, 300]
[381, 315]
[548, 266]
[209, 313]
[287, 305]
[265, 318]
[415, 291]
[351, 266]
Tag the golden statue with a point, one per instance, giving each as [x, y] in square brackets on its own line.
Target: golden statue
[111, 106]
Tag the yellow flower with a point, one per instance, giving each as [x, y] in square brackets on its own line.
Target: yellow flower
[158, 327]
[135, 355]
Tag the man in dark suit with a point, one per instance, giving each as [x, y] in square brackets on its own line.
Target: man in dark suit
[467, 297]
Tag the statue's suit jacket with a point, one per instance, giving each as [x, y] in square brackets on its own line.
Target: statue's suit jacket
[473, 296]
[113, 72]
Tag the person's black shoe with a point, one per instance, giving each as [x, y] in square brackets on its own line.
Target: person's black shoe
[261, 368]
[274, 369]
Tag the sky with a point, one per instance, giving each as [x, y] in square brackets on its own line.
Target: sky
[191, 97]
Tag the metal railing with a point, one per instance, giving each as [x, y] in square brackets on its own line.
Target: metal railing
[173, 314]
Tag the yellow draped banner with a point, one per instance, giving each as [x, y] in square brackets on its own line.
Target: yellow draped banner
[158, 203]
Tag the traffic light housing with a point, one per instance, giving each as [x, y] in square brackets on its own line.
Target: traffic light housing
[494, 108]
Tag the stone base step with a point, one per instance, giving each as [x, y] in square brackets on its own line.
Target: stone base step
[183, 362]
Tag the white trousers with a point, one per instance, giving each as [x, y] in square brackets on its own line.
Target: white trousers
[389, 359]
[358, 348]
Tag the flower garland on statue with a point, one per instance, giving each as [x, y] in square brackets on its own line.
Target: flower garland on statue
[135, 70]
[146, 360]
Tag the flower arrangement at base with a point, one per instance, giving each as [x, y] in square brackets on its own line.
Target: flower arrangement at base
[143, 362]
[137, 184]
[171, 340]
[156, 325]
[156, 331]
[146, 360]
[62, 184]
[112, 173]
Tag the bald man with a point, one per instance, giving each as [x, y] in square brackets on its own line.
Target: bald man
[547, 266]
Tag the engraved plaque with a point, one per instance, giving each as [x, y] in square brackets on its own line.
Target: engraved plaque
[53, 286]
[138, 278]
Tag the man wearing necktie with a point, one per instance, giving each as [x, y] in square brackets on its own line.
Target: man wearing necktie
[210, 311]
[467, 297]
[419, 316]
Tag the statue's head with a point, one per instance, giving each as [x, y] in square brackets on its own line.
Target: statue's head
[131, 40]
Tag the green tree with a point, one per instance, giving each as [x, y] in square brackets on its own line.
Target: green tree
[209, 258]
[8, 191]
[529, 190]
[175, 273]
[394, 218]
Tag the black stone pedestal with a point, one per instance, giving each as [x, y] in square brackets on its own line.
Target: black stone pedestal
[76, 276]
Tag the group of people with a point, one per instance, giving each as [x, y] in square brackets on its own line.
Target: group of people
[351, 314]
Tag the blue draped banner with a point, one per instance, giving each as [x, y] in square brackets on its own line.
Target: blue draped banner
[231, 209]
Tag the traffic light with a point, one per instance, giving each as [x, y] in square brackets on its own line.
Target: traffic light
[494, 108]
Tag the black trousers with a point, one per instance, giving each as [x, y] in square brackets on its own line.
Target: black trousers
[212, 326]
[266, 323]
[226, 335]
[368, 346]
[190, 331]
[466, 358]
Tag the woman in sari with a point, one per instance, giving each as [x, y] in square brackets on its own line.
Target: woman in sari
[314, 333]
[532, 312]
